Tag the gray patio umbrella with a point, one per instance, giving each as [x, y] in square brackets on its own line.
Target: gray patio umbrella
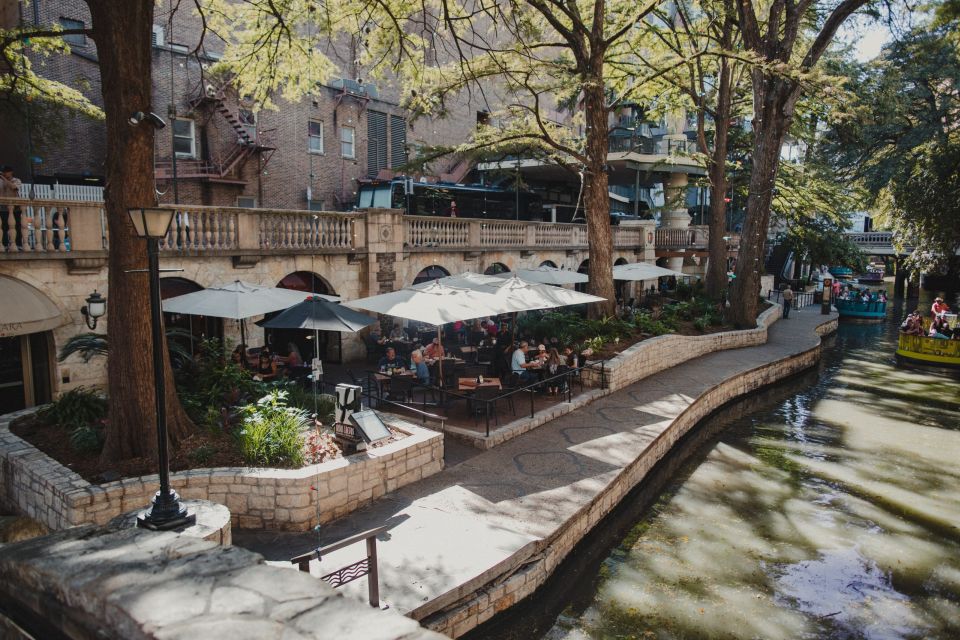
[546, 274]
[317, 314]
[237, 300]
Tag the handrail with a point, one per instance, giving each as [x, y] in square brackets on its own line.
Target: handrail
[365, 567]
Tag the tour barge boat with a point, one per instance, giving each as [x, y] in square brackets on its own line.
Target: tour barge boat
[857, 311]
[841, 273]
[929, 352]
[872, 276]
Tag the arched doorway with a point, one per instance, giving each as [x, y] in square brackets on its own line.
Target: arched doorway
[620, 286]
[190, 330]
[496, 268]
[26, 345]
[548, 263]
[278, 339]
[433, 272]
[584, 268]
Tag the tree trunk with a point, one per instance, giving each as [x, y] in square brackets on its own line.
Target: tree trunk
[597, 199]
[777, 98]
[122, 32]
[717, 265]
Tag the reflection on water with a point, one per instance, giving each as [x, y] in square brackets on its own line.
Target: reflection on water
[834, 513]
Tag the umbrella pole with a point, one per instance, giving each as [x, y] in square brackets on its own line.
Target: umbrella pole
[513, 330]
[440, 366]
[316, 354]
[243, 339]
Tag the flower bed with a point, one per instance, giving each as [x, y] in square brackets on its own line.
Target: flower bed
[33, 483]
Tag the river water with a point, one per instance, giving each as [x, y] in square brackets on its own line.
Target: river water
[828, 507]
[833, 512]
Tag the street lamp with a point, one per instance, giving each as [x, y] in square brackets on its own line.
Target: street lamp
[95, 308]
[166, 512]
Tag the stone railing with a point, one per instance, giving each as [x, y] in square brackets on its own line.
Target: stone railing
[693, 237]
[54, 226]
[202, 229]
[436, 232]
[43, 227]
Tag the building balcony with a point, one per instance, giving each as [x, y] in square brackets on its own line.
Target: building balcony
[52, 229]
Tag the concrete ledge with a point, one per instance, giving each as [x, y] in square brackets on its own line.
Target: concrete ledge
[292, 499]
[472, 603]
[87, 583]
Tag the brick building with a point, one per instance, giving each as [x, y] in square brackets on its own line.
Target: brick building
[303, 155]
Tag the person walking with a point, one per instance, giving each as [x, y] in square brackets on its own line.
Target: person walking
[787, 301]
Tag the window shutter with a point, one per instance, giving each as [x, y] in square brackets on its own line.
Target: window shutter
[376, 142]
[398, 141]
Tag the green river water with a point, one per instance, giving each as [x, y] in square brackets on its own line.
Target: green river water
[828, 507]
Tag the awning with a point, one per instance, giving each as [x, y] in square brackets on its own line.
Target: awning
[26, 309]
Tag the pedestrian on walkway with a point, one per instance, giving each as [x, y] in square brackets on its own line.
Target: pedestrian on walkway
[787, 301]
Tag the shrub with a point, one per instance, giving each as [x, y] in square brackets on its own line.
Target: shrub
[646, 323]
[87, 439]
[701, 324]
[301, 397]
[213, 382]
[80, 407]
[270, 434]
[203, 454]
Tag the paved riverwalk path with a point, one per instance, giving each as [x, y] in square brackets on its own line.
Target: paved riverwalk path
[480, 535]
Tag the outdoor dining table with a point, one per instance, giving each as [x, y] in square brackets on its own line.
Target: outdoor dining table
[471, 384]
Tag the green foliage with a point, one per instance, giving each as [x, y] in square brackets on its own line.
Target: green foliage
[87, 439]
[822, 241]
[575, 330]
[271, 433]
[87, 345]
[301, 397]
[80, 407]
[203, 454]
[214, 382]
[646, 323]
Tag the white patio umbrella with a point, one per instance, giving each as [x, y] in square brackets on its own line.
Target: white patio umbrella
[643, 271]
[514, 294]
[433, 303]
[236, 301]
[546, 274]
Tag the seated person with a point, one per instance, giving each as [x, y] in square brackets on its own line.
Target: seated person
[419, 367]
[266, 368]
[542, 355]
[239, 356]
[390, 360]
[434, 350]
[912, 326]
[573, 361]
[939, 306]
[293, 357]
[939, 329]
[375, 336]
[519, 364]
[398, 333]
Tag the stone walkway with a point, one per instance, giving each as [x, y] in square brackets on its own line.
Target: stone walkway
[494, 512]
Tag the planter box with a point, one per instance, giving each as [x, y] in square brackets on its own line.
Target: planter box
[292, 499]
[663, 352]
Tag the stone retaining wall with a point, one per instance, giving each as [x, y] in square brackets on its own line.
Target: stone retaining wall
[663, 352]
[293, 499]
[498, 595]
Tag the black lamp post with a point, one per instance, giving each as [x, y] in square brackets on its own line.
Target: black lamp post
[166, 512]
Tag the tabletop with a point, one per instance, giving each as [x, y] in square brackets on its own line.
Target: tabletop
[469, 384]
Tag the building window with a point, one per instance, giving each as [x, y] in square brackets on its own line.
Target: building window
[315, 205]
[248, 120]
[247, 202]
[74, 40]
[315, 136]
[184, 140]
[348, 137]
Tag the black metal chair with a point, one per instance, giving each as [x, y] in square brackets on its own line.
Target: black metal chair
[401, 388]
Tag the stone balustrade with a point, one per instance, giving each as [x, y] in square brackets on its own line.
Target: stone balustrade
[46, 227]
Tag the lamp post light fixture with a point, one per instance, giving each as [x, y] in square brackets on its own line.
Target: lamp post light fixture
[166, 511]
[95, 308]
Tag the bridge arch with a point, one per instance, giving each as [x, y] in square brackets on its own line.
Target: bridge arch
[548, 263]
[308, 282]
